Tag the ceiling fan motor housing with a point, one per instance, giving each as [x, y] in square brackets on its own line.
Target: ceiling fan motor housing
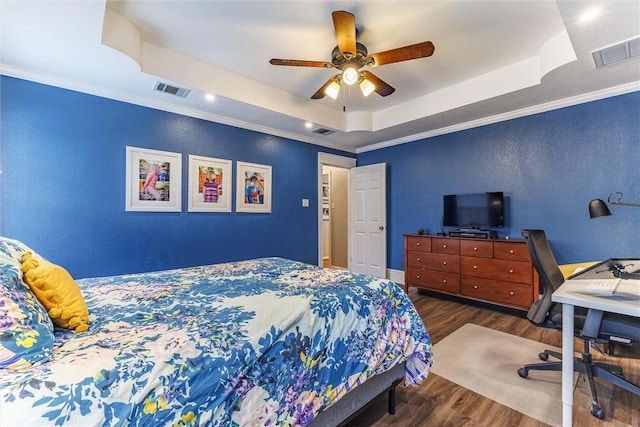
[357, 61]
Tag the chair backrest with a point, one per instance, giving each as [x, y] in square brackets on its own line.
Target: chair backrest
[548, 271]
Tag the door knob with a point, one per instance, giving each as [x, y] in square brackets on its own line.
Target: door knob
[381, 227]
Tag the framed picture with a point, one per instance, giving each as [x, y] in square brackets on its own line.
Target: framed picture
[209, 184]
[326, 179]
[253, 188]
[153, 180]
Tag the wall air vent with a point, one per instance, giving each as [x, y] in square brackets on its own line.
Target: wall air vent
[323, 131]
[172, 90]
[617, 53]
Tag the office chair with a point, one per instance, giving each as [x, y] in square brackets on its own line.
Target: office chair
[612, 327]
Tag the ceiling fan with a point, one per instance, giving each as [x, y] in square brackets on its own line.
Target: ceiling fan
[350, 56]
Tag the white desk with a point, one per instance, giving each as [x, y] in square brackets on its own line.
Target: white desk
[626, 300]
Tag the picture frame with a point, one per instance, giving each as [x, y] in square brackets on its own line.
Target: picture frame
[209, 184]
[253, 188]
[326, 189]
[153, 180]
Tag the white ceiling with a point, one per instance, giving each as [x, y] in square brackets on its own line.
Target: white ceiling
[493, 60]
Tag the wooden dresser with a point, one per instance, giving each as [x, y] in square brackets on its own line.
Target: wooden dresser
[497, 271]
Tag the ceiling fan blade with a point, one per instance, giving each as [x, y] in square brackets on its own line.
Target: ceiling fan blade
[381, 87]
[320, 93]
[414, 51]
[300, 63]
[345, 24]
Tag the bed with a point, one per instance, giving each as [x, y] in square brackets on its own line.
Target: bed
[261, 342]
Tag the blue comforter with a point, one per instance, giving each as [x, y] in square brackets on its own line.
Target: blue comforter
[259, 342]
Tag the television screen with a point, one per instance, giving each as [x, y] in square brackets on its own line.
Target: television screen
[473, 210]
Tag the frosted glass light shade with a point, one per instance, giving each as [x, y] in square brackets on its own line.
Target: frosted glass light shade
[350, 75]
[332, 90]
[366, 87]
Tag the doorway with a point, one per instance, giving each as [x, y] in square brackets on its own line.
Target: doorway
[333, 209]
[335, 217]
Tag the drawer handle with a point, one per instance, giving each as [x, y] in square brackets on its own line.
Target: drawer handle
[511, 293]
[444, 281]
[510, 271]
[444, 262]
[418, 244]
[418, 259]
[444, 246]
[475, 286]
[511, 251]
[475, 249]
[418, 276]
[475, 267]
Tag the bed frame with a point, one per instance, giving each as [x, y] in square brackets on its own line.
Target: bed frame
[355, 401]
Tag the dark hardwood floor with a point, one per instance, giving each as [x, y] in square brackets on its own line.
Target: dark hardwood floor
[438, 402]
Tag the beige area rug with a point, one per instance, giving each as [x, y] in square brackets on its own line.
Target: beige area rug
[486, 361]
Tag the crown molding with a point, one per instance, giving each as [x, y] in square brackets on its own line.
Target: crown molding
[163, 106]
[523, 112]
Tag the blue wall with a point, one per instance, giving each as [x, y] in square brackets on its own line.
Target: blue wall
[549, 166]
[62, 155]
[62, 185]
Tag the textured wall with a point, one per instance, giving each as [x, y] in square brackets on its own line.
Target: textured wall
[62, 185]
[549, 166]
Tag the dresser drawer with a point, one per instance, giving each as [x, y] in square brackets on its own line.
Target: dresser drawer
[445, 246]
[436, 280]
[511, 271]
[514, 294]
[511, 250]
[422, 244]
[479, 249]
[497, 271]
[431, 261]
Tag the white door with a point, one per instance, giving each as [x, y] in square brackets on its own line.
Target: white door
[368, 236]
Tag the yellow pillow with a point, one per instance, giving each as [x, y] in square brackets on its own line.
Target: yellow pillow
[56, 290]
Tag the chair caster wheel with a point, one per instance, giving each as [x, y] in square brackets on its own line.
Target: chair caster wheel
[523, 372]
[597, 411]
[543, 356]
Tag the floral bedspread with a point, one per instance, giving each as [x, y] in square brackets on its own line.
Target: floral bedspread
[260, 342]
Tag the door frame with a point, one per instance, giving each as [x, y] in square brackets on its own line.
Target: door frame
[326, 159]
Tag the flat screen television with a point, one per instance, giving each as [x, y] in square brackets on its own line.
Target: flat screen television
[478, 210]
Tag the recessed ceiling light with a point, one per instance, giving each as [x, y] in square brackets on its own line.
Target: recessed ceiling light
[210, 97]
[308, 125]
[589, 15]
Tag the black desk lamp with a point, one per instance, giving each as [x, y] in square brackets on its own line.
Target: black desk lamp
[597, 207]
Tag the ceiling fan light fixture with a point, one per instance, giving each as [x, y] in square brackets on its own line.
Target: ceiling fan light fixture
[350, 75]
[332, 90]
[366, 87]
[349, 56]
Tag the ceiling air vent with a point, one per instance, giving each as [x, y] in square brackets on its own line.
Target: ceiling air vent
[617, 53]
[173, 90]
[323, 131]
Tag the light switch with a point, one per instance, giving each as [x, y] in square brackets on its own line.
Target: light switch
[305, 203]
